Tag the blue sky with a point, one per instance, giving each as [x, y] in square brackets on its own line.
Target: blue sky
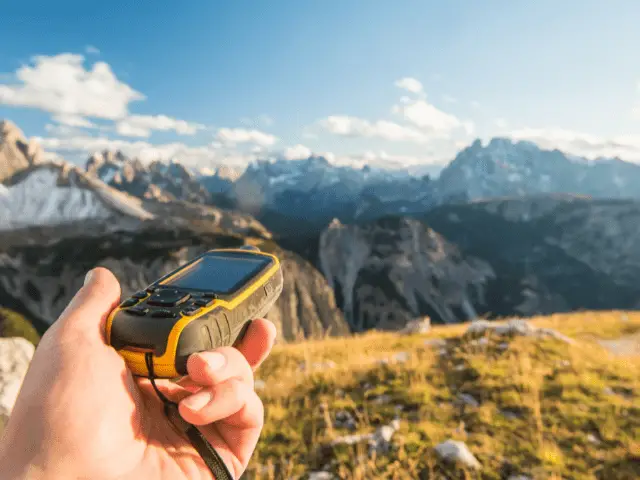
[220, 83]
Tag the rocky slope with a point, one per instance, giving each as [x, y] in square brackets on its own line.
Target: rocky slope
[55, 193]
[391, 271]
[550, 253]
[40, 279]
[16, 153]
[163, 181]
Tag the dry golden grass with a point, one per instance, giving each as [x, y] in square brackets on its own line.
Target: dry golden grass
[547, 409]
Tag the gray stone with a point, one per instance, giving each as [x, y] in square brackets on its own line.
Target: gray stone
[435, 343]
[417, 326]
[467, 399]
[519, 477]
[259, 384]
[15, 355]
[344, 419]
[321, 476]
[457, 452]
[401, 357]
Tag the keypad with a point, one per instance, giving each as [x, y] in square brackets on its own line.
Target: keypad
[168, 298]
[189, 311]
[162, 313]
[139, 311]
[129, 303]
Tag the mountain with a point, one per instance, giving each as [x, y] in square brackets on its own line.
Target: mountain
[16, 153]
[296, 196]
[38, 279]
[551, 253]
[55, 193]
[163, 181]
[396, 269]
[506, 168]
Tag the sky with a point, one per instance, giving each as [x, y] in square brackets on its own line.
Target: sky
[402, 84]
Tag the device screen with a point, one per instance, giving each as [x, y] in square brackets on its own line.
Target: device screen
[220, 273]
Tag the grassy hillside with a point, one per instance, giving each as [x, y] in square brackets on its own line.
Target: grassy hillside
[545, 408]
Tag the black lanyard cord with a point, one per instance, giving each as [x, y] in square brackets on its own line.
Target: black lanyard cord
[211, 458]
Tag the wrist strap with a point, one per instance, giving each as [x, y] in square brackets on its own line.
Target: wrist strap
[211, 458]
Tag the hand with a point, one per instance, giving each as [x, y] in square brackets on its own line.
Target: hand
[81, 414]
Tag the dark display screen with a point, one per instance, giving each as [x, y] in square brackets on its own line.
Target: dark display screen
[220, 273]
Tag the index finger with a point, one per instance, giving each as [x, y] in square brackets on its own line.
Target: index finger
[257, 342]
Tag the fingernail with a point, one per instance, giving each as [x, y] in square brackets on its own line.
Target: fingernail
[198, 400]
[88, 276]
[215, 360]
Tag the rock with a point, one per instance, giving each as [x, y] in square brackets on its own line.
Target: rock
[16, 153]
[382, 399]
[379, 441]
[483, 342]
[608, 391]
[421, 272]
[15, 355]
[467, 399]
[459, 368]
[321, 476]
[591, 438]
[519, 477]
[512, 328]
[435, 343]
[344, 419]
[259, 384]
[442, 352]
[503, 346]
[401, 357]
[457, 452]
[417, 326]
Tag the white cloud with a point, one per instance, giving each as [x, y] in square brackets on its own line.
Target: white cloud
[81, 147]
[233, 136]
[449, 99]
[590, 146]
[296, 152]
[61, 85]
[410, 84]
[380, 159]
[91, 50]
[501, 123]
[427, 117]
[142, 125]
[475, 104]
[73, 121]
[347, 126]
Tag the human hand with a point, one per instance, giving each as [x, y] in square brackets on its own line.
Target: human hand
[80, 413]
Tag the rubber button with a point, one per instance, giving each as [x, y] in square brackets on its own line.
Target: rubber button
[163, 314]
[140, 294]
[139, 311]
[204, 302]
[191, 311]
[129, 303]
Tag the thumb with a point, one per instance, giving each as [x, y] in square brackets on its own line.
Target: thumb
[88, 310]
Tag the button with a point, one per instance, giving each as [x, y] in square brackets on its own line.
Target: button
[163, 314]
[151, 289]
[204, 302]
[191, 311]
[142, 294]
[168, 298]
[208, 295]
[140, 311]
[129, 303]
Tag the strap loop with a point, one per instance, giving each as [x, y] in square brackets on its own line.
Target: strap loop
[211, 458]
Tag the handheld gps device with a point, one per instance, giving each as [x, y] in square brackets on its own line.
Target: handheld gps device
[204, 304]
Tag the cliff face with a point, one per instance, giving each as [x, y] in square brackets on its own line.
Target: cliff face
[390, 271]
[16, 153]
[40, 279]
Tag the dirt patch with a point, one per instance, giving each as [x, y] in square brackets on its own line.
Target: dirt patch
[628, 345]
